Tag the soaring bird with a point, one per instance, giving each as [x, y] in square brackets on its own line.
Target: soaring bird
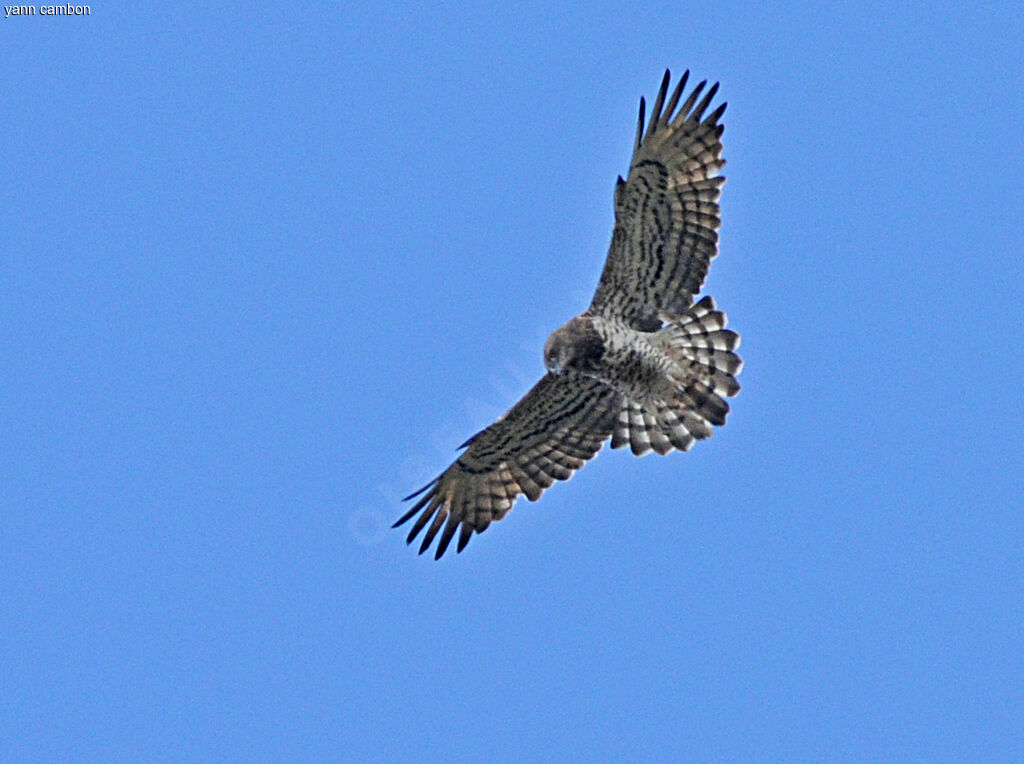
[644, 364]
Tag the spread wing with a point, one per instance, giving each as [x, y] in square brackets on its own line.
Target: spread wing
[666, 212]
[549, 434]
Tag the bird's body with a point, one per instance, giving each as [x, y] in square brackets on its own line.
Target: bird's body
[636, 364]
[643, 365]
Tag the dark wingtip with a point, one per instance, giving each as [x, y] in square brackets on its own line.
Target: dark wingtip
[431, 508]
[698, 113]
[663, 88]
[405, 518]
[687, 106]
[640, 124]
[417, 492]
[446, 536]
[435, 526]
[714, 116]
[431, 532]
[442, 546]
[464, 535]
[659, 101]
[418, 505]
[673, 101]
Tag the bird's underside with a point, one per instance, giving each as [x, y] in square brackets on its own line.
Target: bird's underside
[644, 365]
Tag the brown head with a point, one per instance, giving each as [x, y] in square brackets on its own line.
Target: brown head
[575, 345]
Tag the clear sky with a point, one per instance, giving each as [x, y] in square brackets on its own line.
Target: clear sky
[263, 267]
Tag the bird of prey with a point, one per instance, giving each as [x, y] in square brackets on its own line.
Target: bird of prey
[644, 364]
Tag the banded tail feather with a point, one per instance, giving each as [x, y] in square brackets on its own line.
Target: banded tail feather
[693, 404]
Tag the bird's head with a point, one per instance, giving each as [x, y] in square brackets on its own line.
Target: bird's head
[575, 345]
[555, 351]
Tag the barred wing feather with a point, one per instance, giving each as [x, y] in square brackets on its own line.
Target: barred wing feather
[666, 211]
[548, 435]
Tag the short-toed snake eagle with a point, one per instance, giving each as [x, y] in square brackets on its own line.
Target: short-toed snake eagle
[644, 364]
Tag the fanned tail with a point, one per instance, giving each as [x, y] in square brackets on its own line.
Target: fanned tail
[708, 367]
[693, 401]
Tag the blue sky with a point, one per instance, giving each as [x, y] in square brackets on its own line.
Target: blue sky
[262, 269]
